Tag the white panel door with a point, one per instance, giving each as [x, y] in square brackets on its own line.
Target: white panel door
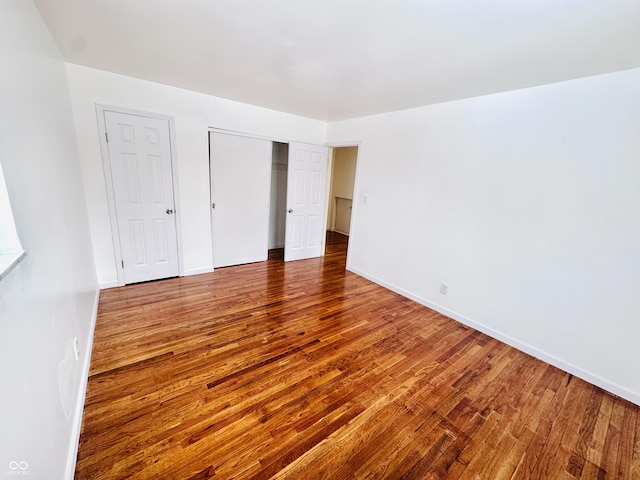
[306, 187]
[240, 169]
[142, 176]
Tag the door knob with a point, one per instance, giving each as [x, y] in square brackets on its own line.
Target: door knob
[290, 210]
[169, 211]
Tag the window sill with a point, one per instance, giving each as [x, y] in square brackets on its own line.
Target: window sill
[8, 261]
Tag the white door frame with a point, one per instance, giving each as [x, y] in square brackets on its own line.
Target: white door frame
[357, 194]
[108, 180]
[238, 133]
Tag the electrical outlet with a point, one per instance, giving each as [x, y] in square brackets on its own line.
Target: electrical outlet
[76, 348]
[444, 288]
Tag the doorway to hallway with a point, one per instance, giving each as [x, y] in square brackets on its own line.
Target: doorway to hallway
[341, 194]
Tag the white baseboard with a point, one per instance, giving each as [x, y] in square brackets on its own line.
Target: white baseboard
[82, 392]
[196, 271]
[549, 358]
[186, 273]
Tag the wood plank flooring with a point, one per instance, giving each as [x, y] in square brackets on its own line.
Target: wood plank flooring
[304, 370]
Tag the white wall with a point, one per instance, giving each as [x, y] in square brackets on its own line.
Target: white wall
[194, 113]
[50, 297]
[527, 203]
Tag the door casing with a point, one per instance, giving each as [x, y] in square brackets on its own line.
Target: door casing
[358, 193]
[111, 203]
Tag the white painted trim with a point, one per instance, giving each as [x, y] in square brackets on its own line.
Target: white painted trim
[196, 271]
[346, 143]
[327, 196]
[210, 206]
[246, 134]
[82, 392]
[549, 358]
[331, 226]
[111, 203]
[355, 201]
[108, 180]
[9, 260]
[177, 208]
[109, 285]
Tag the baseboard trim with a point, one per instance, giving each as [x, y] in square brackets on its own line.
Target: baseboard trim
[186, 273]
[82, 393]
[547, 357]
[196, 271]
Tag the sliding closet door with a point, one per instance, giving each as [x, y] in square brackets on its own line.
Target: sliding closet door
[306, 204]
[240, 169]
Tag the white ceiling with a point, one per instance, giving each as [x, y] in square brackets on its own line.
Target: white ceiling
[337, 59]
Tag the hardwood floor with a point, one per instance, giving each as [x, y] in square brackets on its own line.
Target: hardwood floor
[304, 370]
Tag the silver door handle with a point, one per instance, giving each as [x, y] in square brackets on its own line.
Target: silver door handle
[290, 210]
[169, 211]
